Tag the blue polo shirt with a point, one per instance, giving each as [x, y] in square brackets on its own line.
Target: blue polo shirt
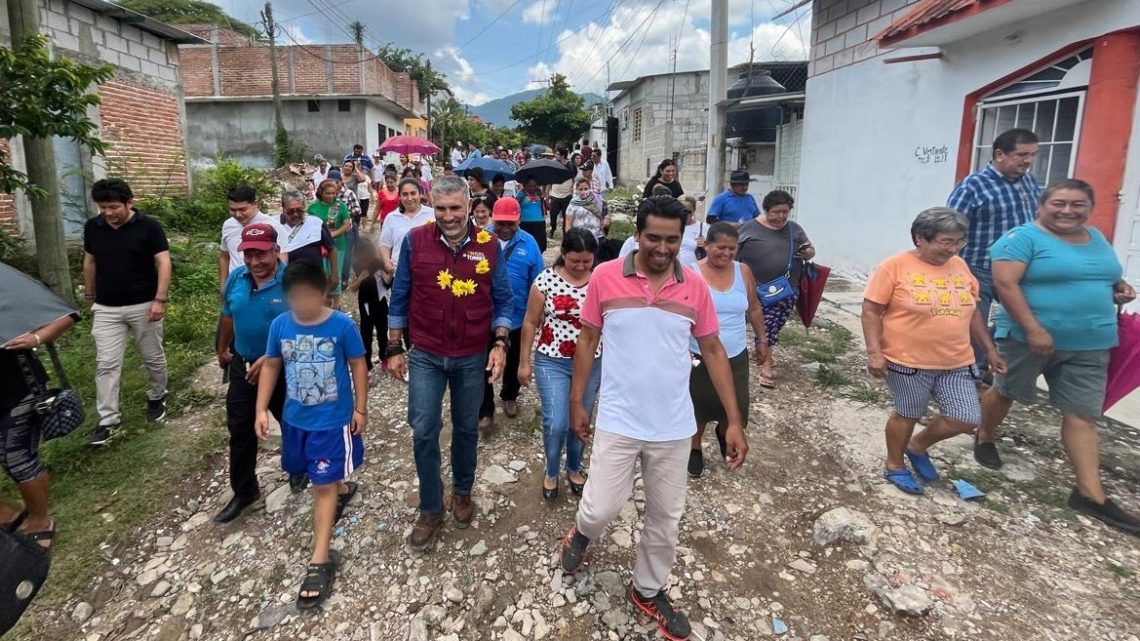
[730, 208]
[524, 264]
[253, 309]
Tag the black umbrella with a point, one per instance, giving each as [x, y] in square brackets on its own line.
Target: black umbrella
[545, 172]
[26, 305]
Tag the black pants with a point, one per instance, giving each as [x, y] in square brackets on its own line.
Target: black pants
[558, 207]
[373, 318]
[510, 377]
[364, 202]
[241, 411]
[537, 229]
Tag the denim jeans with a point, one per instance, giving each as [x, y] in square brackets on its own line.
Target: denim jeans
[987, 295]
[349, 247]
[552, 377]
[429, 376]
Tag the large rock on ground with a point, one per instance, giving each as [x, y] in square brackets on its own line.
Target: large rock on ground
[906, 599]
[843, 524]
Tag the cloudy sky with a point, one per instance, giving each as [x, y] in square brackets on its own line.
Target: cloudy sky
[492, 48]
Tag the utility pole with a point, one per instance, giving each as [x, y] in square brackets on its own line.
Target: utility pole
[39, 161]
[271, 32]
[718, 93]
[431, 90]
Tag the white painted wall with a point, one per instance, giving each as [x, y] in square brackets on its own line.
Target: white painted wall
[860, 184]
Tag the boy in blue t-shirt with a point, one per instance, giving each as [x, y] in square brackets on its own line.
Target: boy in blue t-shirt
[325, 410]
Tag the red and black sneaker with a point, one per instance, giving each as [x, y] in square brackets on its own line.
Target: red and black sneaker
[672, 623]
[573, 550]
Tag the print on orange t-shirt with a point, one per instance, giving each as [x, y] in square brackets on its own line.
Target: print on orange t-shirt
[929, 308]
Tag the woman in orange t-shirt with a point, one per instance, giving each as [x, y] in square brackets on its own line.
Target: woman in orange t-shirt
[919, 315]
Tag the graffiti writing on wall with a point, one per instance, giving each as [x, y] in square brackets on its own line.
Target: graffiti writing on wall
[935, 155]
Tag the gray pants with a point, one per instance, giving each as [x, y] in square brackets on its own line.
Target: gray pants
[663, 467]
[110, 328]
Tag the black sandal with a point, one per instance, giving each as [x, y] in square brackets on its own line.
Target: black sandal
[577, 488]
[318, 578]
[342, 500]
[14, 524]
[37, 537]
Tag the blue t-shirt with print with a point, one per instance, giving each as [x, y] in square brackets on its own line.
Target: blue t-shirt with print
[1068, 287]
[318, 384]
[530, 207]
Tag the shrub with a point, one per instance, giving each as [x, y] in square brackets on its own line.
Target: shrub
[205, 211]
[214, 183]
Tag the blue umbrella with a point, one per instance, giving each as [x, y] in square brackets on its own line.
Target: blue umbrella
[538, 150]
[492, 168]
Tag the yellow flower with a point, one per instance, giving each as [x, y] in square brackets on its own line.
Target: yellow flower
[429, 222]
[444, 279]
[482, 267]
[463, 287]
[483, 236]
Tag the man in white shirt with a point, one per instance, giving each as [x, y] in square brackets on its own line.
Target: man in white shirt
[377, 168]
[457, 154]
[602, 172]
[425, 169]
[243, 211]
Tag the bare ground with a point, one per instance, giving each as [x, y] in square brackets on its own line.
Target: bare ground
[1016, 566]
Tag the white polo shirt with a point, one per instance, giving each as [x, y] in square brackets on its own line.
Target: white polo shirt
[646, 361]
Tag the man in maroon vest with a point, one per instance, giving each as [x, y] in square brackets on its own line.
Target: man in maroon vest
[449, 297]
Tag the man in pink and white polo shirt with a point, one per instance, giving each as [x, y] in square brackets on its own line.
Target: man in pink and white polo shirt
[643, 310]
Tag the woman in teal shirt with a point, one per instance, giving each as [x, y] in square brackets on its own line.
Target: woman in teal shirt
[1059, 283]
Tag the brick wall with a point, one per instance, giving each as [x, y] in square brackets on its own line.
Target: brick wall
[302, 70]
[144, 129]
[843, 31]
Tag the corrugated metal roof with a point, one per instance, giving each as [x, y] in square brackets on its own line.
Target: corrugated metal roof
[924, 13]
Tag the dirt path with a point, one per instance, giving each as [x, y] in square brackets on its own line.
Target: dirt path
[1018, 566]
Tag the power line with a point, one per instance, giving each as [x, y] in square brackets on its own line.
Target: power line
[633, 35]
[569, 36]
[482, 31]
[593, 44]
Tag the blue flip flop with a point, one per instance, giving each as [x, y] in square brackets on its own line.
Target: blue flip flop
[923, 466]
[905, 481]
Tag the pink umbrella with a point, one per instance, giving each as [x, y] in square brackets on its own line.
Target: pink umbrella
[1124, 366]
[408, 145]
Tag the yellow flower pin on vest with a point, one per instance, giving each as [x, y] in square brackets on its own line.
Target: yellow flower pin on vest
[444, 279]
[482, 237]
[482, 267]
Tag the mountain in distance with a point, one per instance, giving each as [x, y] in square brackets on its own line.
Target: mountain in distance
[498, 111]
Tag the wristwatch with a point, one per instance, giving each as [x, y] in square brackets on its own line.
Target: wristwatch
[502, 339]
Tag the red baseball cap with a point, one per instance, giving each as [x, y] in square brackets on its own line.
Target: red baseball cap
[506, 210]
[258, 237]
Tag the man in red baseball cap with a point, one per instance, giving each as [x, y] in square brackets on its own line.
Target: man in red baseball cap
[251, 299]
[524, 262]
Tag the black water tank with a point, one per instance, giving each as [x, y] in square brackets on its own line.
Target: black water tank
[757, 124]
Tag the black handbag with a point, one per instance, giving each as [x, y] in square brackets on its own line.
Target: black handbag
[23, 570]
[60, 410]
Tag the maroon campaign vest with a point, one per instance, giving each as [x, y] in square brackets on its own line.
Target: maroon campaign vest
[439, 322]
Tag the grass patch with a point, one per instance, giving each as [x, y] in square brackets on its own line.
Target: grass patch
[866, 393]
[985, 480]
[621, 230]
[623, 193]
[827, 344]
[1119, 571]
[830, 377]
[101, 496]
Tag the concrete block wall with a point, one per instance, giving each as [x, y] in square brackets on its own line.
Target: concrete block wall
[146, 88]
[843, 31]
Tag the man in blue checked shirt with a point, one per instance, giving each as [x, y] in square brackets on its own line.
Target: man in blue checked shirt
[995, 199]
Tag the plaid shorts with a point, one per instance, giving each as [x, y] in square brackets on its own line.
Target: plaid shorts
[955, 391]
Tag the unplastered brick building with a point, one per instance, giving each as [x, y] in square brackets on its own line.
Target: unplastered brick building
[333, 96]
[141, 115]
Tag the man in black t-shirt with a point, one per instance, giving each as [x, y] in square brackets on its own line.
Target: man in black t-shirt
[126, 273]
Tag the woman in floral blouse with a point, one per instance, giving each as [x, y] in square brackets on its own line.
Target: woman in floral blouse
[553, 314]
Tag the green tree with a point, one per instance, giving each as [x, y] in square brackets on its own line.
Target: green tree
[447, 116]
[42, 96]
[556, 117]
[189, 12]
[400, 59]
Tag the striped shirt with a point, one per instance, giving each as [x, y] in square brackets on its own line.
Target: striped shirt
[994, 205]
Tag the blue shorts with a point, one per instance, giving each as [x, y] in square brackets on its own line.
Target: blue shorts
[327, 456]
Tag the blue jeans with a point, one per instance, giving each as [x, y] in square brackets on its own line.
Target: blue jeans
[552, 377]
[429, 376]
[987, 294]
[350, 247]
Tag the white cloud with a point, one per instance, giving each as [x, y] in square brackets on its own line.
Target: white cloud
[637, 41]
[540, 12]
[454, 65]
[293, 34]
[468, 96]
